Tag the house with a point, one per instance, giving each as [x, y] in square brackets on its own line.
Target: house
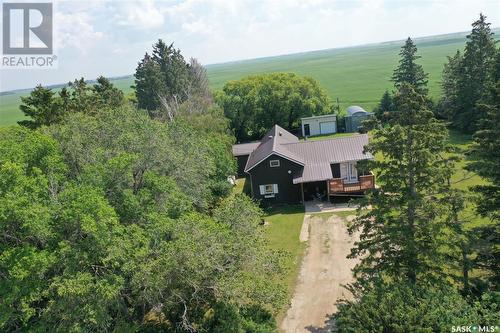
[283, 169]
[319, 125]
[354, 118]
[241, 153]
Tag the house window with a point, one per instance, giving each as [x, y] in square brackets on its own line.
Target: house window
[274, 163]
[268, 190]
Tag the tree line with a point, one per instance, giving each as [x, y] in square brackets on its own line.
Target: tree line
[467, 78]
[424, 266]
[117, 215]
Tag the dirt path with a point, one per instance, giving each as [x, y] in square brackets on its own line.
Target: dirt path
[325, 269]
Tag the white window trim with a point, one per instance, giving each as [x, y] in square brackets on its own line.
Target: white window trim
[268, 194]
[274, 166]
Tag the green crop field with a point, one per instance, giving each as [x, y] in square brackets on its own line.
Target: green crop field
[355, 75]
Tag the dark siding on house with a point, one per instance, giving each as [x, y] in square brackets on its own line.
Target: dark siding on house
[263, 174]
[242, 161]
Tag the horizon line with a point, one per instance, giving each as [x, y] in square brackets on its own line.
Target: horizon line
[264, 57]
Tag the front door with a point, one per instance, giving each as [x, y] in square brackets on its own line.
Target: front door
[307, 130]
[353, 172]
[348, 172]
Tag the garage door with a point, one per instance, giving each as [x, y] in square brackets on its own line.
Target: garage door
[327, 127]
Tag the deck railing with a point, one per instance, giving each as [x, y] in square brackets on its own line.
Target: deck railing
[337, 185]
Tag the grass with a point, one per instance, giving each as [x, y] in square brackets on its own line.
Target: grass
[282, 233]
[355, 75]
[329, 136]
[463, 179]
[240, 184]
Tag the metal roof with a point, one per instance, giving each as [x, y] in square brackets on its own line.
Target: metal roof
[273, 143]
[245, 148]
[318, 155]
[354, 109]
[315, 156]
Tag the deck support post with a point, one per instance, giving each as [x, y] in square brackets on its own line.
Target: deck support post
[302, 192]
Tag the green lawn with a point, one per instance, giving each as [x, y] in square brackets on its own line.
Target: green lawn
[240, 184]
[282, 233]
[329, 136]
[464, 179]
[355, 75]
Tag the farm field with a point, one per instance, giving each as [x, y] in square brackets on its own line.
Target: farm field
[355, 75]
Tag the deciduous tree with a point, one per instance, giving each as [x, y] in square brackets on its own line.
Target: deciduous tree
[256, 103]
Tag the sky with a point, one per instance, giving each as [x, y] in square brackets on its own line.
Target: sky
[108, 38]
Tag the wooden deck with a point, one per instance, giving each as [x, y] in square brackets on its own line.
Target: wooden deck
[337, 185]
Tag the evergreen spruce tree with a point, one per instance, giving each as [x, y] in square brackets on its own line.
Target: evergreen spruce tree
[486, 154]
[408, 71]
[148, 84]
[384, 107]
[41, 106]
[401, 235]
[452, 71]
[105, 94]
[476, 65]
[162, 75]
[174, 70]
[462, 240]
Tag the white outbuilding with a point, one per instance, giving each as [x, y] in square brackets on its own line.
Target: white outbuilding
[319, 125]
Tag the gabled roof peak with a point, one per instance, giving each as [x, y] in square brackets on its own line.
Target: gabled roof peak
[272, 143]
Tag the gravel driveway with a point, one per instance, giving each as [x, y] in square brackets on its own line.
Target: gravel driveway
[325, 269]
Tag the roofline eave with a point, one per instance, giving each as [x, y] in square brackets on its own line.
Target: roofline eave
[271, 153]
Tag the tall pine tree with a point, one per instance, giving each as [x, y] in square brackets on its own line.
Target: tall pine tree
[162, 75]
[148, 84]
[408, 71]
[452, 71]
[400, 234]
[173, 68]
[384, 107]
[486, 154]
[41, 106]
[465, 79]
